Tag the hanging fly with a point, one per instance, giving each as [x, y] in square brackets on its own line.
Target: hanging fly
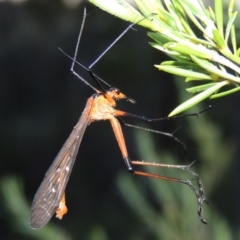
[50, 197]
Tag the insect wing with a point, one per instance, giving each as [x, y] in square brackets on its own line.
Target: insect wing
[53, 186]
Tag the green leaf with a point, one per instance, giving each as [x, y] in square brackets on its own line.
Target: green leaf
[200, 88]
[229, 25]
[185, 49]
[225, 93]
[207, 65]
[198, 98]
[190, 9]
[233, 32]
[211, 12]
[183, 69]
[159, 38]
[238, 53]
[219, 39]
[219, 16]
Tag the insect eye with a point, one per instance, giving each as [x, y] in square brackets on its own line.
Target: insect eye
[116, 90]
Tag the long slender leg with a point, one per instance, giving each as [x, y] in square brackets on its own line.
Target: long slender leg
[167, 134]
[171, 135]
[199, 191]
[126, 114]
[115, 41]
[110, 46]
[76, 53]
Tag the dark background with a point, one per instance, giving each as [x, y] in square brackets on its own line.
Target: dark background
[41, 101]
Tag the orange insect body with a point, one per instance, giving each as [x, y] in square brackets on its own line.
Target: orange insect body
[103, 105]
[103, 109]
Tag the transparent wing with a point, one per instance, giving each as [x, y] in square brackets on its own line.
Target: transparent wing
[53, 186]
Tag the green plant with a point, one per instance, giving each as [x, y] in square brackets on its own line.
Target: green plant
[209, 58]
